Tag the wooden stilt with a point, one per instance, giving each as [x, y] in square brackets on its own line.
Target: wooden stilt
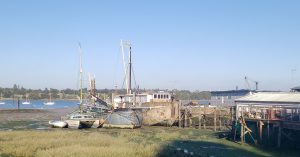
[260, 131]
[279, 137]
[179, 115]
[242, 132]
[185, 118]
[220, 120]
[190, 120]
[200, 118]
[215, 119]
[204, 118]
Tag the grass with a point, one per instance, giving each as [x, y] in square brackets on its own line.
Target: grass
[144, 142]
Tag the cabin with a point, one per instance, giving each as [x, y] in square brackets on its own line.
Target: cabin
[141, 98]
[226, 98]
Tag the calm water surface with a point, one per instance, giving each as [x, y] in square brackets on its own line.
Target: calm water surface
[39, 104]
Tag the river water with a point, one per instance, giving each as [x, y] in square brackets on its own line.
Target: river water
[38, 104]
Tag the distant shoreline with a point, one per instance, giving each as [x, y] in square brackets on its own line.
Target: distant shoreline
[3, 99]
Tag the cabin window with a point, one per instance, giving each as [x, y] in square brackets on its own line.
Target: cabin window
[158, 96]
[155, 96]
[167, 96]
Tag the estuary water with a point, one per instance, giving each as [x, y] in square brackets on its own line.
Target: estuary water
[38, 104]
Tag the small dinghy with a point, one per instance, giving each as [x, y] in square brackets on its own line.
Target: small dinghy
[58, 124]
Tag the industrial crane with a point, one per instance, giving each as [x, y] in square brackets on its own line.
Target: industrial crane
[248, 85]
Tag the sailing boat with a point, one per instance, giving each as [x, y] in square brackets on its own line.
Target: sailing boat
[125, 117]
[26, 102]
[78, 119]
[1, 102]
[49, 102]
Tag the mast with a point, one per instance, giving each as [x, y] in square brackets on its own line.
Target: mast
[124, 64]
[80, 64]
[130, 65]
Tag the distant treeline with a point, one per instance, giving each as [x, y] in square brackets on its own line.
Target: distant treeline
[19, 91]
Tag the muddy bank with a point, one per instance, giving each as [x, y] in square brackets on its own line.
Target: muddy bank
[7, 115]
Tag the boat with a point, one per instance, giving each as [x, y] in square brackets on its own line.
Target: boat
[80, 118]
[58, 124]
[1, 102]
[126, 117]
[26, 102]
[49, 103]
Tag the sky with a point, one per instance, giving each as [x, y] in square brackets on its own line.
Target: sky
[194, 44]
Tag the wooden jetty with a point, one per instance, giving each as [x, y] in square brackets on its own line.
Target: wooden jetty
[259, 117]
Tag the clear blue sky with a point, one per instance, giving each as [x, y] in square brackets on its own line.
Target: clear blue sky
[195, 45]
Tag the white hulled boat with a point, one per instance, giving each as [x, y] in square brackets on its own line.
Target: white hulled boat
[49, 102]
[26, 102]
[1, 102]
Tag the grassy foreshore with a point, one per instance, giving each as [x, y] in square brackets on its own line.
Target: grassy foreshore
[147, 141]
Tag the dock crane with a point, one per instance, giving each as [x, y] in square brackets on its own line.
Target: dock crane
[248, 85]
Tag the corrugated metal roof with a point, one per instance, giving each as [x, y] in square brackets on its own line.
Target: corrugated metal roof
[296, 88]
[271, 97]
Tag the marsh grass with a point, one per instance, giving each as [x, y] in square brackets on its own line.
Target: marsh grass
[144, 142]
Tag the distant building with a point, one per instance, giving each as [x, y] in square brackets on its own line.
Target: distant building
[160, 96]
[226, 98]
[296, 89]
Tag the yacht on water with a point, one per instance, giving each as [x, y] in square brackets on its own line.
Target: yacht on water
[26, 102]
[1, 102]
[49, 102]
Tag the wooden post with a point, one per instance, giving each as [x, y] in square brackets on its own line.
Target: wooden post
[18, 103]
[298, 115]
[220, 120]
[279, 136]
[200, 116]
[179, 114]
[190, 120]
[185, 118]
[215, 120]
[242, 132]
[260, 131]
[204, 118]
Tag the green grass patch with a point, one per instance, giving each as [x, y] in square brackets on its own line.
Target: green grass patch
[144, 142]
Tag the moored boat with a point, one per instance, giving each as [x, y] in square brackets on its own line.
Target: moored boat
[58, 124]
[49, 102]
[80, 121]
[123, 118]
[1, 102]
[26, 102]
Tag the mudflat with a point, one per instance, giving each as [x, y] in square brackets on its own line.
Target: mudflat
[7, 115]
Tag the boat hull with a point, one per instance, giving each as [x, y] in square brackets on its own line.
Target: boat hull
[123, 118]
[25, 103]
[80, 124]
[49, 103]
[58, 124]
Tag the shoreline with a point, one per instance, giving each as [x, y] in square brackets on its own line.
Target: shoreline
[4, 99]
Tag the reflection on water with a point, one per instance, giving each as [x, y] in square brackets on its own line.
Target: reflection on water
[38, 104]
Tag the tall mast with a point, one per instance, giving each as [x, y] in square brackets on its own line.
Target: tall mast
[124, 64]
[129, 75]
[80, 64]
